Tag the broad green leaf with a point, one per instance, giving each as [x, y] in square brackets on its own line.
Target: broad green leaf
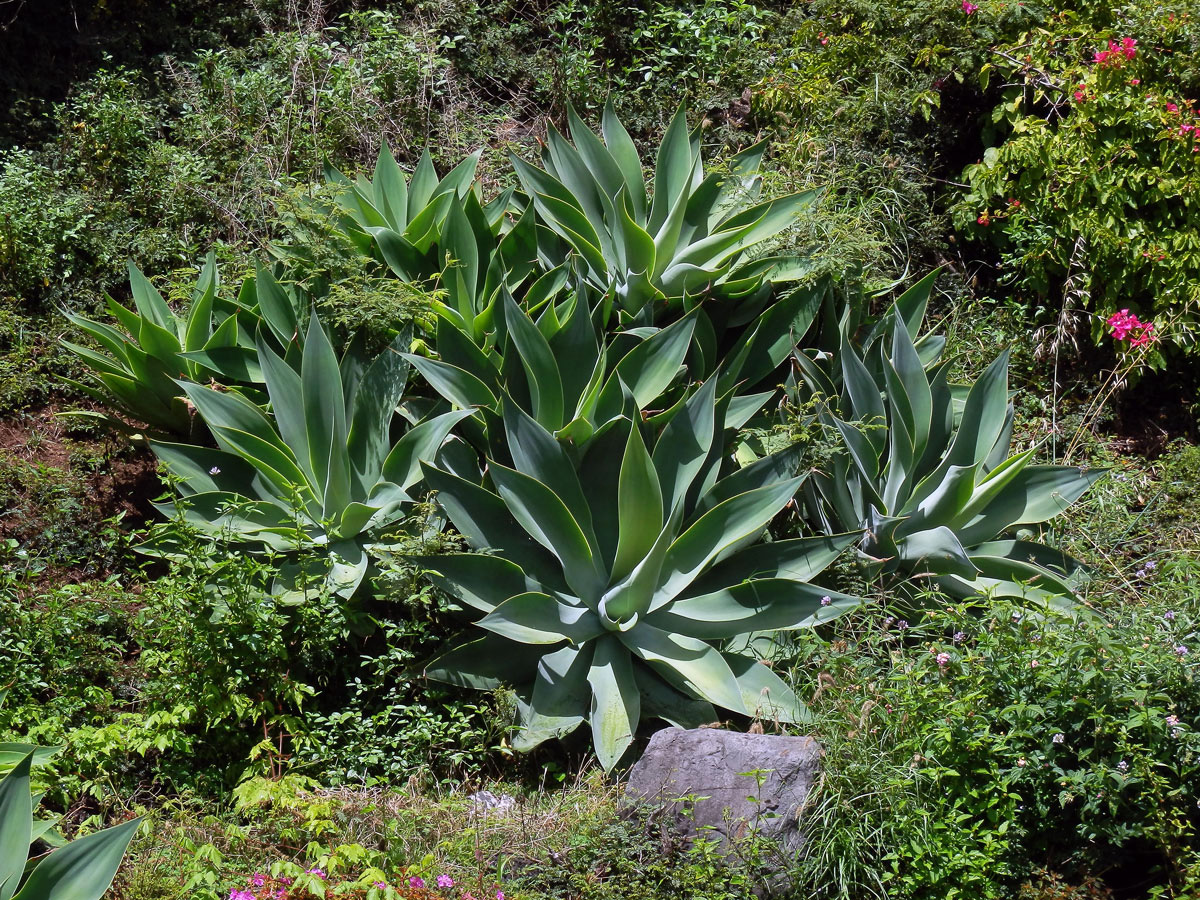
[690, 665]
[640, 506]
[487, 663]
[537, 618]
[545, 383]
[724, 525]
[683, 446]
[83, 869]
[616, 701]
[561, 697]
[765, 694]
[544, 517]
[478, 580]
[16, 822]
[1035, 494]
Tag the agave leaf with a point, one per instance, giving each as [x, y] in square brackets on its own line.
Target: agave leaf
[683, 446]
[545, 382]
[560, 697]
[391, 190]
[661, 700]
[476, 579]
[765, 694]
[765, 604]
[1035, 494]
[616, 701]
[690, 665]
[937, 550]
[83, 869]
[640, 506]
[548, 521]
[625, 154]
[536, 618]
[16, 821]
[486, 663]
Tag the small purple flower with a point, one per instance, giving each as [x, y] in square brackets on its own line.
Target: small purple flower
[1123, 766]
[416, 882]
[826, 600]
[499, 895]
[1150, 566]
[237, 894]
[902, 624]
[378, 884]
[315, 870]
[1172, 720]
[1181, 651]
[1169, 615]
[943, 660]
[215, 470]
[1058, 738]
[259, 879]
[445, 881]
[959, 637]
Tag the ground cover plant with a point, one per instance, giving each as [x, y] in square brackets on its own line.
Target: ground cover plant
[481, 386]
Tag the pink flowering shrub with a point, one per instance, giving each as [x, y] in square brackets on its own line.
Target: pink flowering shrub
[1101, 148]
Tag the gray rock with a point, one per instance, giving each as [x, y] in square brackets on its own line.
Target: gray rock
[721, 784]
[485, 803]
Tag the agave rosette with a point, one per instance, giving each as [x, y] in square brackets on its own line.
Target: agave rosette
[688, 237]
[320, 470]
[609, 578]
[927, 470]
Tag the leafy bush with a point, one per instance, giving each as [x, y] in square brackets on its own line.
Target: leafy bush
[1093, 185]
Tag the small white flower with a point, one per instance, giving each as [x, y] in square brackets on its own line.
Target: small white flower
[1058, 738]
[1123, 766]
[215, 470]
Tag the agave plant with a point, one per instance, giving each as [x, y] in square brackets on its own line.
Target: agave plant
[80, 870]
[320, 471]
[688, 236]
[137, 376]
[570, 375]
[927, 473]
[608, 578]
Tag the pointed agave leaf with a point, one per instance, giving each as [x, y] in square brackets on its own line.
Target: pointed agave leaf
[544, 517]
[83, 869]
[684, 444]
[375, 402]
[660, 700]
[983, 416]
[16, 821]
[724, 525]
[797, 559]
[391, 190]
[650, 367]
[545, 382]
[560, 699]
[537, 618]
[419, 445]
[275, 307]
[482, 582]
[640, 506]
[937, 550]
[616, 701]
[625, 154]
[765, 694]
[690, 665]
[672, 171]
[536, 453]
[457, 385]
[325, 419]
[483, 519]
[150, 303]
[1035, 494]
[487, 663]
[765, 604]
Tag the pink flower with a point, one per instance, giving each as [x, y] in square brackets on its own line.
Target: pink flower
[416, 882]
[1129, 47]
[943, 660]
[236, 894]
[499, 895]
[1172, 108]
[445, 881]
[320, 873]
[1135, 81]
[1079, 96]
[259, 879]
[969, 8]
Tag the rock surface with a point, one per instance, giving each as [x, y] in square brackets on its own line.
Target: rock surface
[730, 784]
